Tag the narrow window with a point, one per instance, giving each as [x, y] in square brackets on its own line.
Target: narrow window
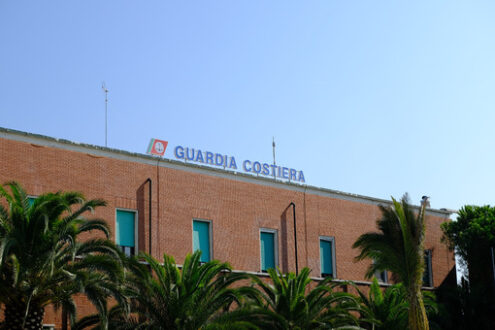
[327, 256]
[201, 239]
[381, 276]
[428, 274]
[268, 249]
[125, 232]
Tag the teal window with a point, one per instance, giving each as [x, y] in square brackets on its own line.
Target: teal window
[268, 250]
[327, 257]
[31, 200]
[125, 234]
[428, 275]
[201, 239]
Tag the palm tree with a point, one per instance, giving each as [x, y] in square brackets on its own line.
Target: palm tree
[117, 318]
[162, 296]
[384, 310]
[398, 247]
[387, 309]
[290, 304]
[43, 262]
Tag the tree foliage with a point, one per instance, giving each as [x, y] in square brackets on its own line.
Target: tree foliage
[399, 247]
[289, 303]
[472, 236]
[384, 310]
[166, 296]
[388, 308]
[473, 230]
[42, 260]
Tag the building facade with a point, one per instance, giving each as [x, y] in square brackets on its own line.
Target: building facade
[167, 206]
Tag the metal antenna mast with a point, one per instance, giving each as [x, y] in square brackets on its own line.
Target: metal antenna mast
[105, 90]
[273, 145]
[274, 163]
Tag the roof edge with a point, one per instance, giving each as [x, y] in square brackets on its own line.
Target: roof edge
[79, 147]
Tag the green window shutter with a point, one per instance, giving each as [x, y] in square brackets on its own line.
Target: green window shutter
[326, 256]
[201, 239]
[267, 241]
[125, 228]
[31, 200]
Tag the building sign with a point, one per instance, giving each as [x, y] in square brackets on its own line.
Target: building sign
[228, 162]
[157, 147]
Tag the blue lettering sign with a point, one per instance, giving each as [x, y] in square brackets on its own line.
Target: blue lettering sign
[216, 159]
[179, 152]
[244, 165]
[301, 176]
[232, 163]
[274, 167]
[187, 154]
[199, 157]
[257, 167]
[266, 169]
[209, 158]
[292, 176]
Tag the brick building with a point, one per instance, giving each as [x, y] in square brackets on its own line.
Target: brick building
[244, 219]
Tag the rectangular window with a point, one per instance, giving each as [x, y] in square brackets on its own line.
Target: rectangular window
[428, 274]
[31, 200]
[201, 239]
[125, 231]
[268, 249]
[327, 256]
[382, 276]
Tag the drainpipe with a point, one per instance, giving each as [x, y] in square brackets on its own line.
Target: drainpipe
[295, 233]
[149, 238]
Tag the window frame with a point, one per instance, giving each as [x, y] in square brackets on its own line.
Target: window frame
[330, 239]
[275, 247]
[428, 254]
[210, 235]
[136, 228]
[32, 197]
[379, 273]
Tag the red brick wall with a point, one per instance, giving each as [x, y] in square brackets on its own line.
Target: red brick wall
[237, 209]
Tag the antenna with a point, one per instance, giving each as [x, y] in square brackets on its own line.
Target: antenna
[105, 90]
[274, 163]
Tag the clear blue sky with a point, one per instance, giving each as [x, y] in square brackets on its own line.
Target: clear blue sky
[369, 97]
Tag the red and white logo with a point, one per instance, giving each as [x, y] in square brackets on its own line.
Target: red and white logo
[157, 147]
